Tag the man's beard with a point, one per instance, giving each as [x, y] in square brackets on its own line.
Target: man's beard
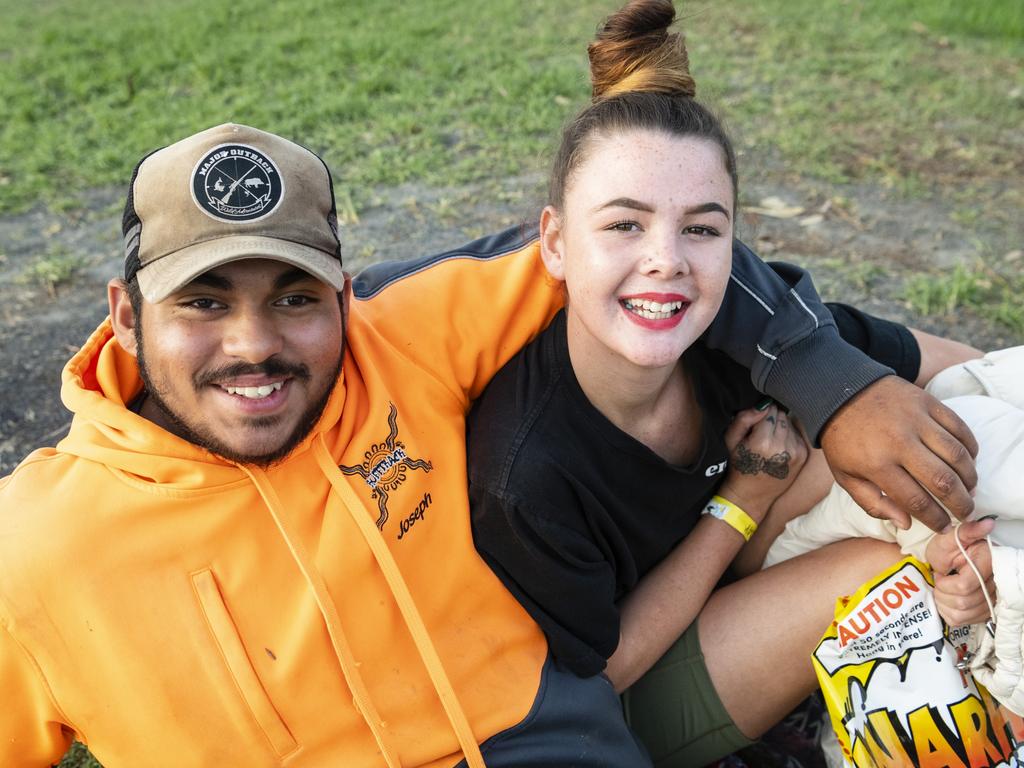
[210, 443]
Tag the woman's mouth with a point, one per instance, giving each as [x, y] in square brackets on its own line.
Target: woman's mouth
[649, 309]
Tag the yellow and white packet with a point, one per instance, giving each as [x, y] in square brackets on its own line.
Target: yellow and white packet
[888, 669]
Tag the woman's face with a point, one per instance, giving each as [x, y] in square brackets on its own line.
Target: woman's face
[644, 245]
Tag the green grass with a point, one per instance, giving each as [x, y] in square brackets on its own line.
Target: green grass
[911, 93]
[894, 91]
[977, 289]
[388, 91]
[53, 269]
[79, 757]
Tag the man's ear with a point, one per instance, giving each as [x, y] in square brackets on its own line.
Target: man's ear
[122, 316]
[346, 299]
[551, 243]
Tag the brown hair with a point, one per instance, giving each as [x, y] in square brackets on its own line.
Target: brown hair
[640, 74]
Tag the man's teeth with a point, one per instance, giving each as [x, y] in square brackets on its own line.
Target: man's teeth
[652, 310]
[255, 393]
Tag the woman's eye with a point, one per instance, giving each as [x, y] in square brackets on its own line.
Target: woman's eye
[624, 226]
[702, 231]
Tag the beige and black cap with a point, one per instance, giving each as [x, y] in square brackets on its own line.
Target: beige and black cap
[228, 193]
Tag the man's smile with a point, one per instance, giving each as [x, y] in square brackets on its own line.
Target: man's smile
[255, 398]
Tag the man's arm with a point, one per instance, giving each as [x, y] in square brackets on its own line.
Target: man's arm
[461, 314]
[31, 735]
[891, 445]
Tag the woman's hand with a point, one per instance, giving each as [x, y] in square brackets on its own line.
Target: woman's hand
[766, 453]
[958, 593]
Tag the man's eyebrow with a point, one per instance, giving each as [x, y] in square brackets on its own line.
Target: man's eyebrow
[291, 277]
[210, 280]
[221, 283]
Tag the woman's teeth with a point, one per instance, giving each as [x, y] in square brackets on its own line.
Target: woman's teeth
[652, 310]
[254, 393]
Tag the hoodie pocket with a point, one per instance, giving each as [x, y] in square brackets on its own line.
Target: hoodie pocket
[239, 664]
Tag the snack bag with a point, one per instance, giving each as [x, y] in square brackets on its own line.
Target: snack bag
[897, 699]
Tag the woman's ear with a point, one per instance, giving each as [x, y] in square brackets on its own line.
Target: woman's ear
[122, 316]
[551, 243]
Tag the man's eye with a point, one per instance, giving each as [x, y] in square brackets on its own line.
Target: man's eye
[295, 301]
[204, 304]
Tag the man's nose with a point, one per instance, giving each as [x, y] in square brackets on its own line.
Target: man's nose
[252, 335]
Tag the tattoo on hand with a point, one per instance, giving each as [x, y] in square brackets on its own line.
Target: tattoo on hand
[750, 463]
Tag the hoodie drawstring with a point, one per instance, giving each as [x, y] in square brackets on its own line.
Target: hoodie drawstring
[360, 695]
[407, 606]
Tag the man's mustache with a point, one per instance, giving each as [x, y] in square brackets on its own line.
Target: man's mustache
[271, 367]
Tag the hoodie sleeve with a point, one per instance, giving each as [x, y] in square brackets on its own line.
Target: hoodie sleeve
[463, 313]
[773, 322]
[32, 733]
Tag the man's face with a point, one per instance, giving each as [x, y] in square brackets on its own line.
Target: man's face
[242, 360]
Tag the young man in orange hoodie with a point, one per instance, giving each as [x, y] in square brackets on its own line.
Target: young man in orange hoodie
[253, 547]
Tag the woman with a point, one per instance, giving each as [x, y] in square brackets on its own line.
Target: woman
[594, 452]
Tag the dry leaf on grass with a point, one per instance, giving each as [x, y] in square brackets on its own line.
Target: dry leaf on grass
[776, 208]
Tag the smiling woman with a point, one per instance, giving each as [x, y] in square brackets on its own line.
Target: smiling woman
[600, 477]
[644, 246]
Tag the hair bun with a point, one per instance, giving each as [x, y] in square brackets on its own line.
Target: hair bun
[634, 51]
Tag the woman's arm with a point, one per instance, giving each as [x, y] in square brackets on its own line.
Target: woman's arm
[668, 599]
[766, 455]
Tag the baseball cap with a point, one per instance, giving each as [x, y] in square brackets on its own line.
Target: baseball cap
[228, 193]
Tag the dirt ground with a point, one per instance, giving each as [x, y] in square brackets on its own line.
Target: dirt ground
[861, 243]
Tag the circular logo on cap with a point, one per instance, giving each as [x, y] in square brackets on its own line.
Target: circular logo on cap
[235, 182]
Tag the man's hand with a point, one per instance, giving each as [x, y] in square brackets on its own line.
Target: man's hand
[894, 444]
[959, 596]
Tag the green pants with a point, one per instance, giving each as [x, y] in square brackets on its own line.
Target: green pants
[676, 712]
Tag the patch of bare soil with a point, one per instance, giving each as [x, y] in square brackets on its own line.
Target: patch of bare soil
[861, 244]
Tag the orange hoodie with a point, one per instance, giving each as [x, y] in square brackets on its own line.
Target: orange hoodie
[173, 609]
[170, 608]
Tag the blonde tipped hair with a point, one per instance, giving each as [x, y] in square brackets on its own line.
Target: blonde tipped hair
[640, 77]
[635, 52]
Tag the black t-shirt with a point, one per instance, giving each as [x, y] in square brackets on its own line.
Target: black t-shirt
[570, 512]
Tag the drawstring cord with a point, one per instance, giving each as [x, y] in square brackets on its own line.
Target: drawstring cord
[406, 605]
[991, 624]
[349, 666]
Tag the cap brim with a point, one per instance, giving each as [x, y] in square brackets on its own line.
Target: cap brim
[161, 278]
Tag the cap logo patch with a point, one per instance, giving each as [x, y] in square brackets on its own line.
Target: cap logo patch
[235, 182]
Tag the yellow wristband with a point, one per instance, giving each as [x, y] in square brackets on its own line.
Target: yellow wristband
[729, 513]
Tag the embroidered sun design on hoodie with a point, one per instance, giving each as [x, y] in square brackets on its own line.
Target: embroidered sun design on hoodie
[385, 466]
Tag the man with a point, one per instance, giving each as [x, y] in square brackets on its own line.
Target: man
[253, 547]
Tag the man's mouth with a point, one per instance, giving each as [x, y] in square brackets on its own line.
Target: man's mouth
[653, 310]
[254, 393]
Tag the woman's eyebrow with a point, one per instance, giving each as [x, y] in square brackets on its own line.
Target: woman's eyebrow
[629, 202]
[708, 208]
[625, 202]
